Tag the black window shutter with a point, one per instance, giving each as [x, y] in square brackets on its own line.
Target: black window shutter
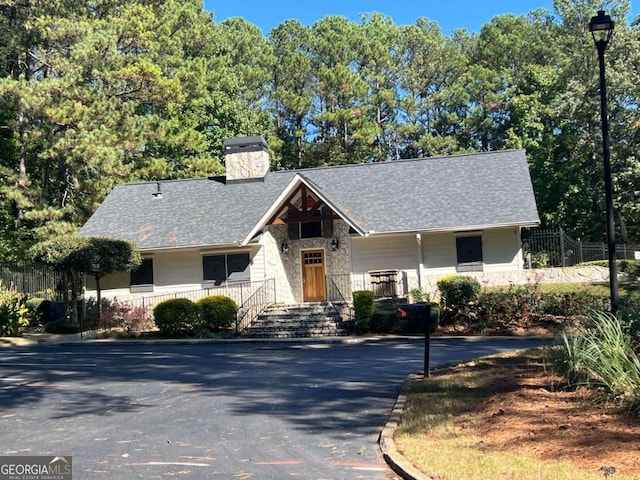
[214, 269]
[143, 275]
[327, 225]
[238, 267]
[327, 228]
[294, 231]
[469, 249]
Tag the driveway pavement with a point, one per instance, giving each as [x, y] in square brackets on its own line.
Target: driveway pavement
[261, 410]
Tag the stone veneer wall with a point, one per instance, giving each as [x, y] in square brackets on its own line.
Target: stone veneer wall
[245, 165]
[287, 267]
[522, 277]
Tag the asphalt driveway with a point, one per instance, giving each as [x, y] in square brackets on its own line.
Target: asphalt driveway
[213, 410]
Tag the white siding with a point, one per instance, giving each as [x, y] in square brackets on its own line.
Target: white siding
[173, 271]
[257, 268]
[392, 252]
[501, 250]
[439, 253]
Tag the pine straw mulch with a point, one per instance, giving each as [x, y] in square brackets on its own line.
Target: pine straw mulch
[529, 412]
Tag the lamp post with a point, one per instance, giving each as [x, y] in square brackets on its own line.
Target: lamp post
[601, 28]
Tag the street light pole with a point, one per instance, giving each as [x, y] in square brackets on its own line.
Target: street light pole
[601, 27]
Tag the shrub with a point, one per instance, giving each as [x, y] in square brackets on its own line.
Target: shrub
[457, 292]
[36, 310]
[579, 300]
[629, 313]
[502, 305]
[383, 320]
[61, 327]
[176, 317]
[14, 318]
[363, 305]
[601, 353]
[217, 312]
[127, 317]
[418, 295]
[630, 267]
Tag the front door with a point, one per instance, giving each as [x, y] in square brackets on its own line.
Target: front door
[313, 276]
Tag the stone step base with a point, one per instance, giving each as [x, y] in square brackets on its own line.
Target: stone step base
[288, 321]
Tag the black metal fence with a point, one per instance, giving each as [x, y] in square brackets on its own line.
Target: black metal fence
[554, 248]
[251, 297]
[33, 280]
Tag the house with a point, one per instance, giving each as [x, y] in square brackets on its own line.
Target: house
[322, 231]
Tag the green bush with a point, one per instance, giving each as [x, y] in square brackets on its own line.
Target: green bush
[498, 306]
[630, 267]
[419, 294]
[176, 317]
[363, 305]
[34, 310]
[580, 300]
[217, 312]
[14, 318]
[456, 291]
[383, 320]
[601, 353]
[501, 305]
[61, 327]
[629, 314]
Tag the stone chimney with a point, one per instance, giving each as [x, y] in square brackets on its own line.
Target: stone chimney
[246, 159]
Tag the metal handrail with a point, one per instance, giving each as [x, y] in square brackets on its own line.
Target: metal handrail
[257, 303]
[334, 291]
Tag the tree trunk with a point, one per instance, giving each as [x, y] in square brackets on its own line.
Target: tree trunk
[22, 165]
[99, 298]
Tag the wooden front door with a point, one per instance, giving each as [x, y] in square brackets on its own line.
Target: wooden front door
[313, 276]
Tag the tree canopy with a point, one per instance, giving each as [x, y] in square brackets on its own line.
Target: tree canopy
[99, 92]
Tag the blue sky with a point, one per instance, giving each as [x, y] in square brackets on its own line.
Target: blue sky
[449, 14]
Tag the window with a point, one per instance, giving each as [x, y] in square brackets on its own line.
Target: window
[469, 253]
[141, 279]
[226, 268]
[319, 229]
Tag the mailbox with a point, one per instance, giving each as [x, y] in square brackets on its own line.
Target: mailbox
[419, 312]
[413, 311]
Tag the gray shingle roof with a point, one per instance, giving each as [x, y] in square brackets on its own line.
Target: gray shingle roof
[461, 192]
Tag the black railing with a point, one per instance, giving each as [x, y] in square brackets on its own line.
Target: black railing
[554, 248]
[140, 310]
[33, 280]
[338, 299]
[253, 306]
